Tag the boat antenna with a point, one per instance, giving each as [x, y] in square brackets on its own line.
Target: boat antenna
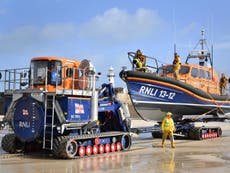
[212, 62]
[202, 41]
[174, 48]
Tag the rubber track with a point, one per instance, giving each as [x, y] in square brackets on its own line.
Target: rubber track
[60, 142]
[195, 133]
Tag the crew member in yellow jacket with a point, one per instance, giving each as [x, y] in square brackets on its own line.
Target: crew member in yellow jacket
[176, 66]
[168, 128]
[140, 61]
[223, 83]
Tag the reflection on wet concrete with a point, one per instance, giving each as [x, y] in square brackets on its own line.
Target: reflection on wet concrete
[102, 163]
[227, 157]
[143, 160]
[168, 163]
[210, 156]
[202, 161]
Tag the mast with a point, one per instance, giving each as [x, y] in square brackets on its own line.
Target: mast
[202, 41]
[203, 54]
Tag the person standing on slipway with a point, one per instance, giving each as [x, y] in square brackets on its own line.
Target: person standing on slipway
[168, 128]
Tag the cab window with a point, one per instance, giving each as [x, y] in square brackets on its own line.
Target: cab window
[69, 72]
[38, 72]
[55, 72]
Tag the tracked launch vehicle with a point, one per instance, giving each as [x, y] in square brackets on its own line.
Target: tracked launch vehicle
[54, 105]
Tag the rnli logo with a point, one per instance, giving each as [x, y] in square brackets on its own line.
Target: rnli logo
[25, 112]
[79, 108]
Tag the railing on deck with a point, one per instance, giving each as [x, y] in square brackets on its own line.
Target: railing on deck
[14, 79]
[76, 81]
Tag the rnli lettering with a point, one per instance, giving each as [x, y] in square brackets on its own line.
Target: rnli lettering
[157, 92]
[148, 91]
[24, 124]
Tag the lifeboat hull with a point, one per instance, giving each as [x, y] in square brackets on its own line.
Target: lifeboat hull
[153, 96]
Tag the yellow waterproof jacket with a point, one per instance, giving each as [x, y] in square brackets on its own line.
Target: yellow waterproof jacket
[223, 81]
[167, 125]
[176, 63]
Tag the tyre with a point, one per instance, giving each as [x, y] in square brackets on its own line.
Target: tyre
[219, 132]
[11, 144]
[126, 142]
[195, 133]
[65, 148]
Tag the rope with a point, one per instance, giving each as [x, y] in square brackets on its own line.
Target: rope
[217, 108]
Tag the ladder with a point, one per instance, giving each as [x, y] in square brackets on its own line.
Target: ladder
[49, 121]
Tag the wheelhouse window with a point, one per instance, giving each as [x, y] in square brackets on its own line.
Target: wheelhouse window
[169, 69]
[184, 70]
[195, 72]
[202, 74]
[208, 75]
[165, 69]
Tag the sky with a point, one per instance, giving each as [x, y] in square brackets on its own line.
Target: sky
[104, 31]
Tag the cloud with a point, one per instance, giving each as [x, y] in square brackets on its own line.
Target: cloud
[114, 26]
[34, 38]
[60, 31]
[222, 42]
[119, 25]
[18, 39]
[223, 45]
[187, 30]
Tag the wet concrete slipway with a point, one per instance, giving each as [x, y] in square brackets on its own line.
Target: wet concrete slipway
[145, 155]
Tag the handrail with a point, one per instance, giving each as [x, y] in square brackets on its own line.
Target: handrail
[14, 79]
[149, 60]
